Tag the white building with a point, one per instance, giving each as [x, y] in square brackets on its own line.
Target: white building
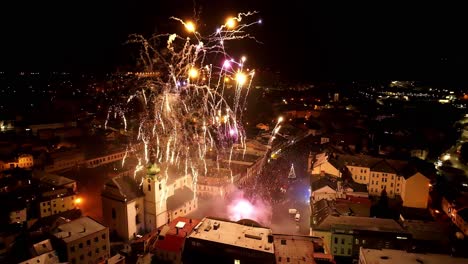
[43, 253]
[82, 240]
[136, 206]
[24, 161]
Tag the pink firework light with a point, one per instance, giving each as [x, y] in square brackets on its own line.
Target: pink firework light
[256, 210]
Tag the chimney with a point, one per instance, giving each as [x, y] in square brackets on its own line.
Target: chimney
[190, 220]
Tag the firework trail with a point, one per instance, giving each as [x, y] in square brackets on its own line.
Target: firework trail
[190, 105]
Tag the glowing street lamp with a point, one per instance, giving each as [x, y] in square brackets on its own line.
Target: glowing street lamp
[78, 201]
[230, 23]
[189, 26]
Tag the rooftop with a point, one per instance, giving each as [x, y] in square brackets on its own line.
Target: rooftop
[123, 188]
[295, 248]
[180, 197]
[360, 223]
[174, 238]
[390, 256]
[52, 179]
[234, 234]
[78, 228]
[426, 230]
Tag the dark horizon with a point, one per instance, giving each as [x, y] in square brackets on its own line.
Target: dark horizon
[303, 41]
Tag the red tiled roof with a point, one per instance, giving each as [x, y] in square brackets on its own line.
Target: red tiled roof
[170, 243]
[173, 239]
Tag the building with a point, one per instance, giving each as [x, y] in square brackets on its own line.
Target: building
[428, 236]
[170, 240]
[23, 161]
[229, 242]
[168, 194]
[54, 180]
[345, 234]
[457, 209]
[42, 252]
[387, 256]
[57, 201]
[299, 249]
[82, 240]
[134, 205]
[123, 207]
[63, 160]
[398, 178]
[331, 188]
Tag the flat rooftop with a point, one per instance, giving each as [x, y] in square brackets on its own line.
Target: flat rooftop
[360, 223]
[390, 256]
[295, 248]
[234, 234]
[78, 228]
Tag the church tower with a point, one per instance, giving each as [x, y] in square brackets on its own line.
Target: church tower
[155, 190]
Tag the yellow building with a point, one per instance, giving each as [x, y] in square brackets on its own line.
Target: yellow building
[396, 177]
[24, 161]
[57, 201]
[82, 240]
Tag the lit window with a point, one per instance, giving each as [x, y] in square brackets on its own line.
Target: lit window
[237, 261]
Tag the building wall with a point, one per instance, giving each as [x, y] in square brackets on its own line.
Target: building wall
[341, 245]
[57, 205]
[155, 205]
[326, 167]
[89, 249]
[92, 163]
[360, 174]
[135, 218]
[326, 236]
[183, 210]
[115, 217]
[416, 191]
[391, 182]
[18, 216]
[324, 193]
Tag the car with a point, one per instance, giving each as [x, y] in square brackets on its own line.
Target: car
[297, 217]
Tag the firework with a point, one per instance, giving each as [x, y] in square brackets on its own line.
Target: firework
[190, 105]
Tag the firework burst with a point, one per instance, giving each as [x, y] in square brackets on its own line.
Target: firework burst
[191, 104]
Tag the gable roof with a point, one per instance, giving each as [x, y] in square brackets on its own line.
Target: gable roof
[180, 197]
[123, 188]
[383, 166]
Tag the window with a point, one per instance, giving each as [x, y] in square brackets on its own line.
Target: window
[72, 249]
[81, 257]
[237, 261]
[391, 184]
[96, 239]
[160, 187]
[114, 213]
[90, 253]
[88, 242]
[104, 247]
[97, 250]
[342, 251]
[342, 241]
[336, 240]
[137, 219]
[283, 241]
[149, 187]
[349, 251]
[81, 245]
[356, 241]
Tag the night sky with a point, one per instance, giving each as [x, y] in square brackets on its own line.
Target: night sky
[302, 39]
